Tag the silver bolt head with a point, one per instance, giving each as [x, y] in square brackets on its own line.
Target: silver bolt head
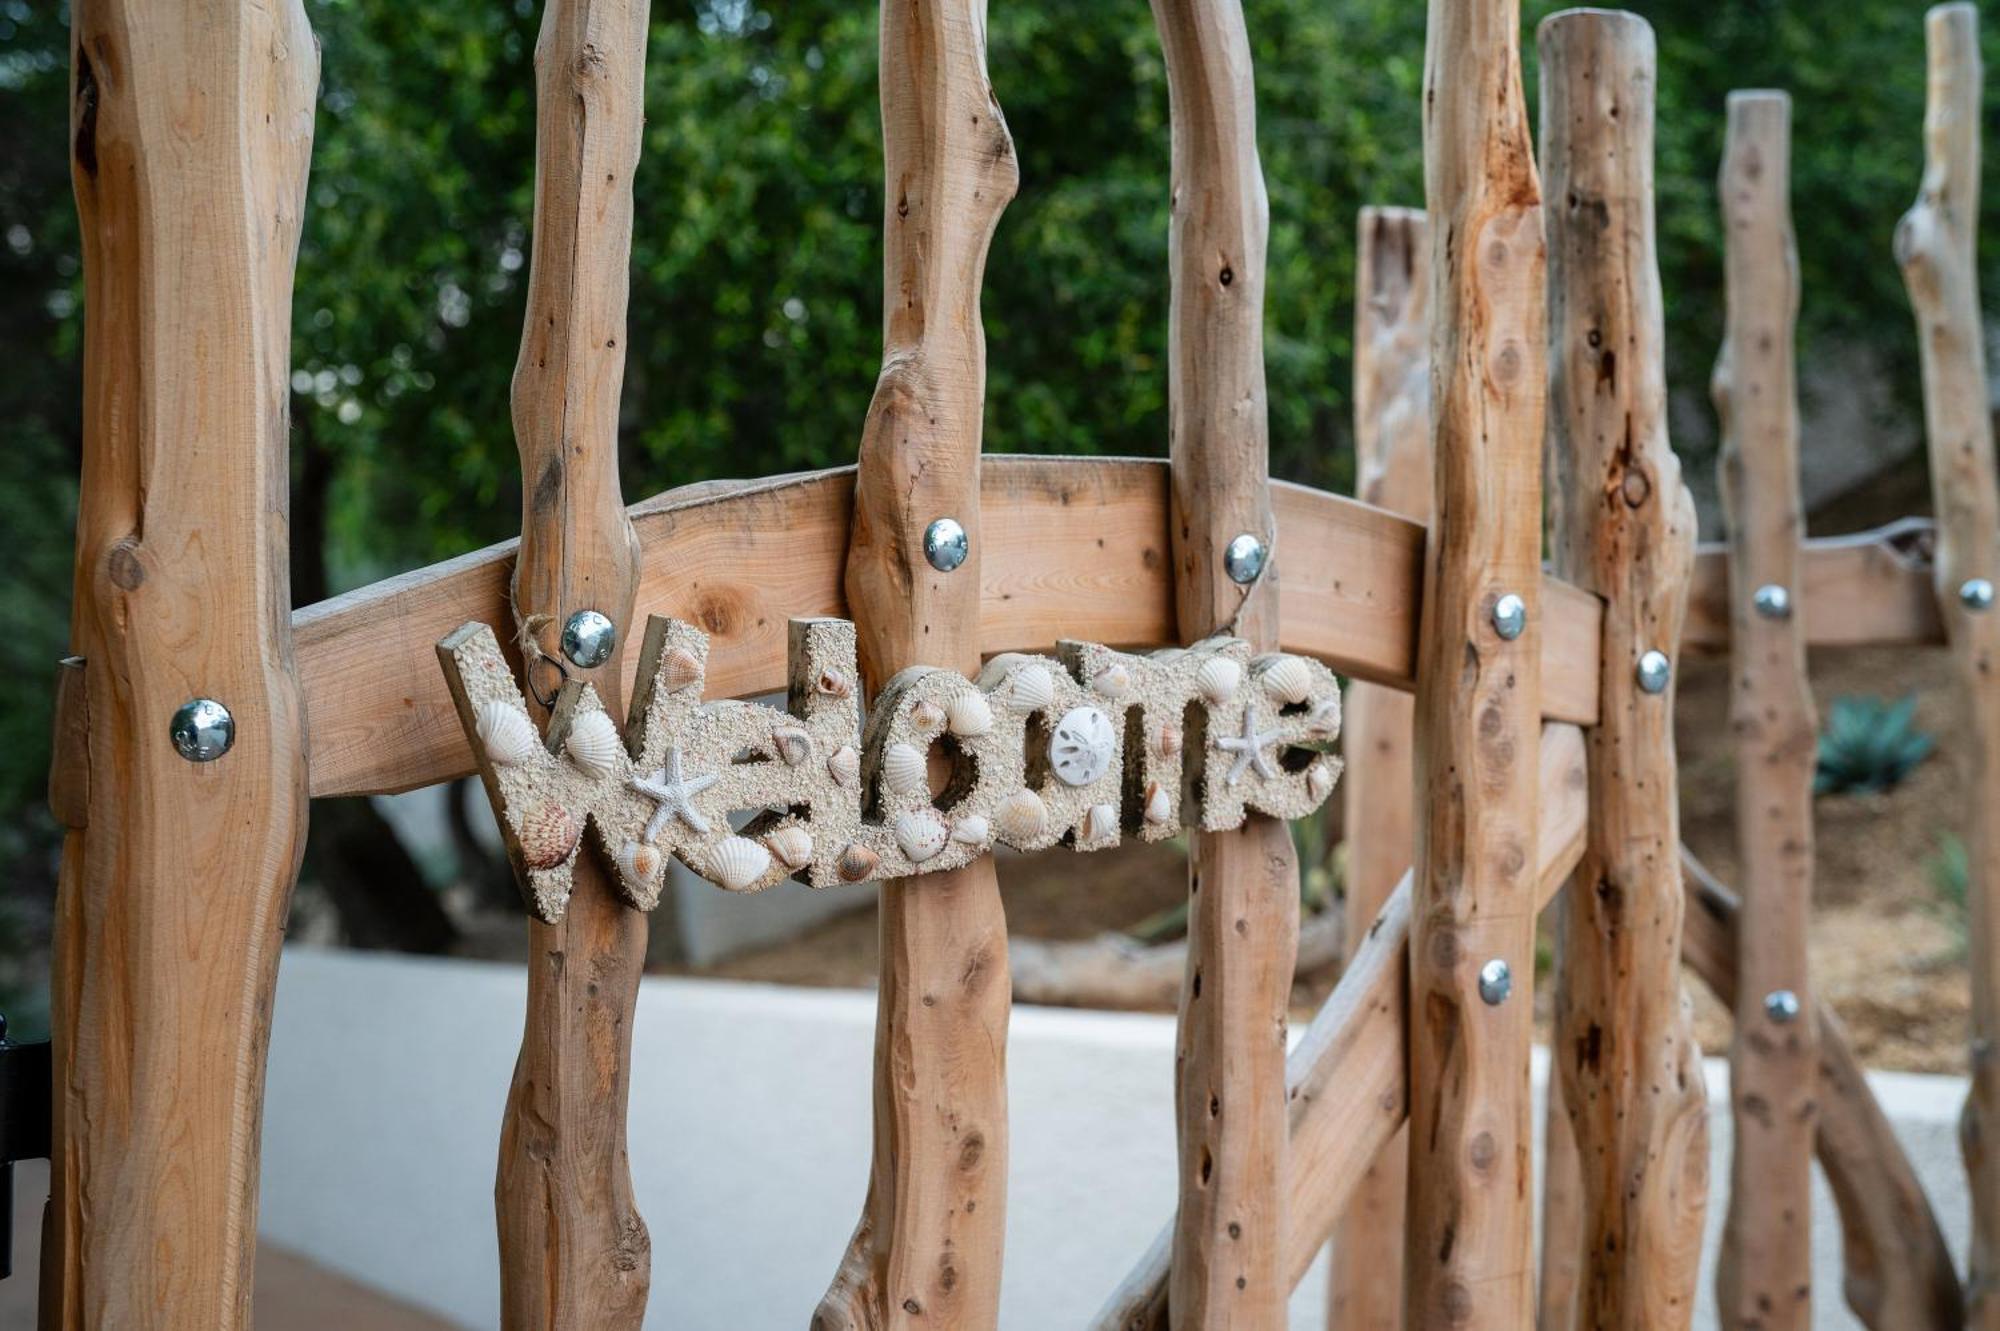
[1510, 616]
[1976, 593]
[945, 544]
[1496, 981]
[1772, 601]
[1655, 671]
[1243, 559]
[1781, 1006]
[202, 730]
[588, 639]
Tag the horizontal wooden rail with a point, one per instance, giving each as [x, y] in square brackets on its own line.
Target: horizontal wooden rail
[1873, 588]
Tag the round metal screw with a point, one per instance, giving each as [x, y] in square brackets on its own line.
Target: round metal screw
[1781, 1006]
[1496, 981]
[945, 544]
[1510, 616]
[202, 730]
[1976, 593]
[1772, 601]
[588, 639]
[1243, 560]
[1654, 671]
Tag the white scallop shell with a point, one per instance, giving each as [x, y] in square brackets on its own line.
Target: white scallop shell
[1287, 678]
[1218, 677]
[904, 768]
[1082, 746]
[793, 744]
[1100, 823]
[547, 835]
[506, 733]
[971, 830]
[922, 834]
[857, 863]
[1114, 681]
[1319, 781]
[593, 745]
[679, 668]
[1022, 817]
[792, 844]
[1168, 741]
[926, 715]
[1159, 804]
[968, 714]
[736, 862]
[844, 767]
[1032, 688]
[639, 864]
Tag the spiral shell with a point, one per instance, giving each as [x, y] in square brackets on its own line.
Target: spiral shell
[547, 835]
[1325, 716]
[1082, 746]
[1319, 781]
[845, 767]
[1287, 678]
[1159, 805]
[1032, 688]
[736, 862]
[793, 744]
[1022, 817]
[1100, 823]
[1217, 679]
[506, 733]
[927, 715]
[1114, 681]
[1168, 740]
[968, 714]
[793, 846]
[922, 834]
[971, 830]
[834, 683]
[857, 863]
[679, 668]
[904, 768]
[594, 746]
[639, 864]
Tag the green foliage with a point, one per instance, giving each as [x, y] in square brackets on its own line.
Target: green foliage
[1951, 875]
[1869, 745]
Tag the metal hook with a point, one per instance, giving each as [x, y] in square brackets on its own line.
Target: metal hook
[562, 678]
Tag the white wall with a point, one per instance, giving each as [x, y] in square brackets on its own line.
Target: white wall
[749, 1141]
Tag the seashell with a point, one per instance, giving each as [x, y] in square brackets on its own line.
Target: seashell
[1325, 715]
[791, 844]
[1032, 688]
[857, 863]
[1218, 677]
[971, 830]
[968, 714]
[506, 733]
[904, 768]
[1100, 822]
[1288, 679]
[593, 745]
[1319, 781]
[845, 767]
[1022, 817]
[736, 862]
[922, 834]
[1114, 681]
[793, 744]
[1168, 741]
[547, 835]
[834, 683]
[639, 864]
[927, 715]
[1159, 804]
[1082, 746]
[679, 668]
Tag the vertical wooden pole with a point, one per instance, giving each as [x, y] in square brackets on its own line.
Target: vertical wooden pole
[927, 1250]
[1229, 1065]
[573, 1249]
[1478, 693]
[1392, 418]
[191, 129]
[1936, 246]
[1622, 525]
[1764, 1278]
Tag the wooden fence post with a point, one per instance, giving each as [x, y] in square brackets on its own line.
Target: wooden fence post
[1478, 691]
[1622, 525]
[1936, 247]
[927, 1250]
[1392, 415]
[573, 1249]
[1764, 1278]
[1243, 912]
[191, 129]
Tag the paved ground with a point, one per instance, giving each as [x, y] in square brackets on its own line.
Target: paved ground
[292, 1293]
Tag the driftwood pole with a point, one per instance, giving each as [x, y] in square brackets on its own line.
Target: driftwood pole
[573, 1249]
[1936, 246]
[1764, 1278]
[1478, 693]
[927, 1250]
[190, 130]
[1392, 414]
[1229, 1066]
[1622, 525]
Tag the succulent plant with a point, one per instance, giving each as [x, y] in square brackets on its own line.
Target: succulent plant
[1869, 744]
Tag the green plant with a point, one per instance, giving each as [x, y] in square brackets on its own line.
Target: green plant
[1869, 744]
[1950, 873]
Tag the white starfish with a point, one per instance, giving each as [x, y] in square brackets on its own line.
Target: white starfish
[674, 796]
[1249, 750]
